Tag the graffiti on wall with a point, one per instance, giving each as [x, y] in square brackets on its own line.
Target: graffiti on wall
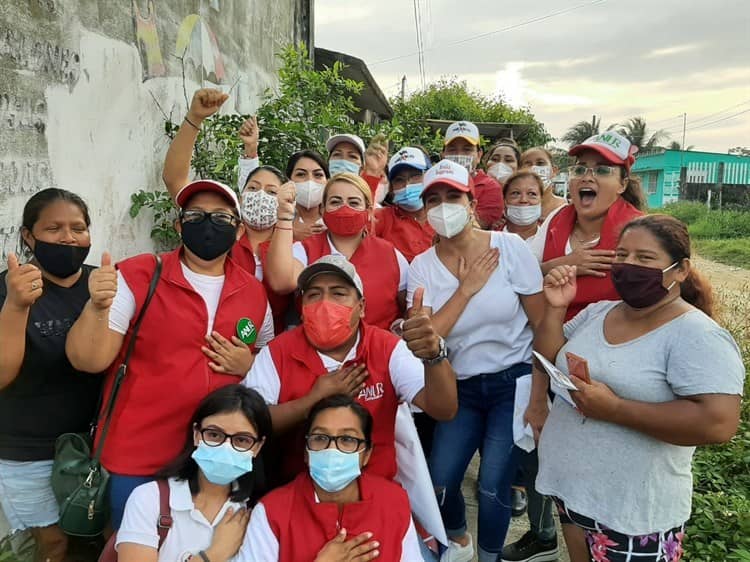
[147, 40]
[197, 44]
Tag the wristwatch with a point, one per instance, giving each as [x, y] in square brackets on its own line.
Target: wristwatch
[441, 356]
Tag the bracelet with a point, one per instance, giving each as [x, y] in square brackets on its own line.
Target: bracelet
[289, 219]
[204, 556]
[189, 122]
[277, 227]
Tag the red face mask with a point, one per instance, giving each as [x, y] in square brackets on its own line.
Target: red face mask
[327, 324]
[346, 221]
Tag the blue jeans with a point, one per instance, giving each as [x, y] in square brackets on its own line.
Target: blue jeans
[120, 488]
[484, 419]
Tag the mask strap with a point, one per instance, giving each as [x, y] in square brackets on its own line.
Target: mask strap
[670, 267]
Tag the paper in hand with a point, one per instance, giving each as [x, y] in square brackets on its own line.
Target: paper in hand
[561, 383]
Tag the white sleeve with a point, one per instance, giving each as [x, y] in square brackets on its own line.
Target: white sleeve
[263, 377]
[141, 516]
[524, 272]
[415, 281]
[260, 544]
[403, 266]
[246, 165]
[266, 333]
[407, 372]
[299, 253]
[123, 307]
[410, 545]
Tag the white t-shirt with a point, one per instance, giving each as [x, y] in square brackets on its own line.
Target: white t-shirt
[536, 243]
[493, 332]
[190, 531]
[407, 373]
[207, 286]
[300, 254]
[263, 546]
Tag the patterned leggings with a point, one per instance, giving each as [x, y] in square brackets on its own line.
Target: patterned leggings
[606, 545]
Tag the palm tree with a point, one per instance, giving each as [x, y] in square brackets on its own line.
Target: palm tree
[674, 145]
[637, 132]
[581, 131]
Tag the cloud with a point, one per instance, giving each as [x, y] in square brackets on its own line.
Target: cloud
[669, 51]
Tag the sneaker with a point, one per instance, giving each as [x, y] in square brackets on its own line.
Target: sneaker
[530, 549]
[458, 553]
[518, 503]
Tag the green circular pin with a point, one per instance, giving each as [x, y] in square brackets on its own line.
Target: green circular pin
[246, 331]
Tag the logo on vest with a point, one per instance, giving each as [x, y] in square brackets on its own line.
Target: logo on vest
[246, 331]
[373, 392]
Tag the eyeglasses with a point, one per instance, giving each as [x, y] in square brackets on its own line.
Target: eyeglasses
[344, 443]
[240, 441]
[598, 171]
[218, 218]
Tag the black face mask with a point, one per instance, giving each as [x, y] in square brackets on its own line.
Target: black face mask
[208, 240]
[60, 260]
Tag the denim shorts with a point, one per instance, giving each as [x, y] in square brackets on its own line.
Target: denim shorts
[26, 494]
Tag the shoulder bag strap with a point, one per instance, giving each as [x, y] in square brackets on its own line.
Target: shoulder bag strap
[124, 365]
[165, 513]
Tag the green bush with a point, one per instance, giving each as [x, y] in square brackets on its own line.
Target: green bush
[721, 224]
[686, 211]
[734, 251]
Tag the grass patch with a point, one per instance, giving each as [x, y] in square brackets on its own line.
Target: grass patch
[735, 251]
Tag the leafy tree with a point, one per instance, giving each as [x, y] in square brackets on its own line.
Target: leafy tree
[674, 145]
[452, 100]
[308, 106]
[636, 130]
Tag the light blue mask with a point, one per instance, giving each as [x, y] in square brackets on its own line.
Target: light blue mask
[410, 197]
[338, 166]
[222, 465]
[333, 470]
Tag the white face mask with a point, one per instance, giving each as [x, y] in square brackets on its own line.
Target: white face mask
[523, 215]
[448, 219]
[309, 193]
[465, 160]
[544, 172]
[339, 165]
[259, 209]
[500, 171]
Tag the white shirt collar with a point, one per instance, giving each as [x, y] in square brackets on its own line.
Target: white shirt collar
[331, 364]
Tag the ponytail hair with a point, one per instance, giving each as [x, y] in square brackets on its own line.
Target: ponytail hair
[633, 193]
[674, 239]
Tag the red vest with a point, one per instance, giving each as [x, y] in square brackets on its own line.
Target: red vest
[242, 254]
[590, 289]
[407, 234]
[376, 264]
[303, 526]
[168, 374]
[489, 196]
[299, 365]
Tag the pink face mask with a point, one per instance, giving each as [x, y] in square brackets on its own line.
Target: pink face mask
[327, 324]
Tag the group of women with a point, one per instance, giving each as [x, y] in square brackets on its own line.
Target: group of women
[294, 317]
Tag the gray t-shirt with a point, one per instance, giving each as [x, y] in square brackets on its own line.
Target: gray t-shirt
[624, 479]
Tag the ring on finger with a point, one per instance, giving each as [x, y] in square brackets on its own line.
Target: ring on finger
[34, 285]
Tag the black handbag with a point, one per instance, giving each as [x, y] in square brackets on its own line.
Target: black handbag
[79, 481]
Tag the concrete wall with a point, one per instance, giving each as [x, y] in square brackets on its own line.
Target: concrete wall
[85, 85]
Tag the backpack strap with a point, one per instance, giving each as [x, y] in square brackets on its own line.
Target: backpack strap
[165, 513]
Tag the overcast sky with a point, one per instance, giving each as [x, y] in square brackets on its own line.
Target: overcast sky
[650, 58]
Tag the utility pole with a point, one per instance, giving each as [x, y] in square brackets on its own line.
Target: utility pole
[403, 87]
[684, 122]
[593, 124]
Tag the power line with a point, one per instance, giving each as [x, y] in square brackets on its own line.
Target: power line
[420, 45]
[495, 32]
[719, 120]
[709, 116]
[652, 123]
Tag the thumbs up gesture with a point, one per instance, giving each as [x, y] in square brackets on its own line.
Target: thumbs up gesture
[23, 282]
[418, 332]
[103, 284]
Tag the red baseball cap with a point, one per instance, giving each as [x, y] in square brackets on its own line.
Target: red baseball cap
[200, 186]
[614, 147]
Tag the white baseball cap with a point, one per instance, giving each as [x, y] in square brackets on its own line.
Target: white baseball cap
[611, 145]
[409, 157]
[448, 173]
[335, 264]
[199, 186]
[352, 139]
[463, 129]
